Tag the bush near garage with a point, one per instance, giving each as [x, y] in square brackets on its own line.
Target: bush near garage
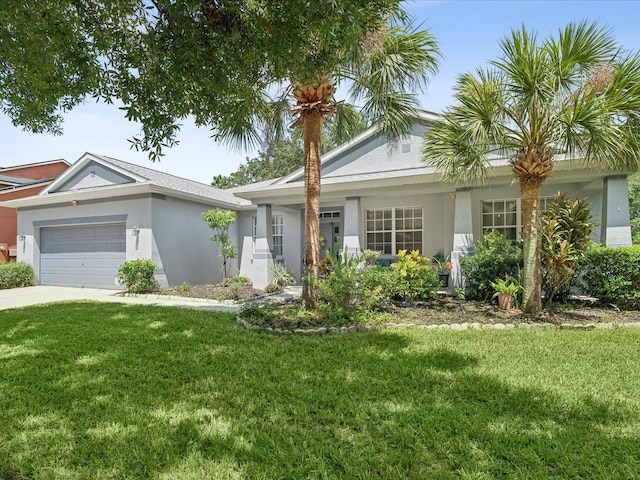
[137, 276]
[15, 274]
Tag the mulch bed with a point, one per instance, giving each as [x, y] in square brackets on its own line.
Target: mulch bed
[449, 310]
[215, 292]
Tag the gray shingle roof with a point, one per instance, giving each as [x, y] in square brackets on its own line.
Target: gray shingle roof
[21, 181]
[176, 183]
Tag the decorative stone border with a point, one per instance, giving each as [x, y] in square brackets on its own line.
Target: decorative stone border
[443, 326]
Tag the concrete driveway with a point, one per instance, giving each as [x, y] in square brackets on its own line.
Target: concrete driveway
[28, 296]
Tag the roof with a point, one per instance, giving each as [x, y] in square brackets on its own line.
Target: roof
[145, 180]
[34, 164]
[174, 182]
[11, 180]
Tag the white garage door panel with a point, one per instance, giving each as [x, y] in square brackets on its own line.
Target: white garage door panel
[86, 256]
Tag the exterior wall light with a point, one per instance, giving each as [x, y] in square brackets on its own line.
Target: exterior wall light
[21, 237]
[74, 203]
[135, 231]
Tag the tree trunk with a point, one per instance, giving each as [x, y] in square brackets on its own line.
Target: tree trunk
[312, 125]
[532, 280]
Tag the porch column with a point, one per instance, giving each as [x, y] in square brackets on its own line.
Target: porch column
[262, 264]
[462, 234]
[351, 238]
[616, 225]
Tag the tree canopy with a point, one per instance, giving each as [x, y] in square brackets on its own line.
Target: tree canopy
[166, 60]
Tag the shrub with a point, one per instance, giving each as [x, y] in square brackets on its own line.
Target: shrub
[494, 257]
[378, 286]
[566, 234]
[612, 275]
[15, 274]
[137, 276]
[418, 280]
[281, 277]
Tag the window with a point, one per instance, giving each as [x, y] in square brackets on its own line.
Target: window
[505, 216]
[277, 225]
[278, 230]
[389, 230]
[502, 216]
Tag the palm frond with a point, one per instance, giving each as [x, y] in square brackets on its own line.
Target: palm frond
[347, 121]
[450, 149]
[388, 75]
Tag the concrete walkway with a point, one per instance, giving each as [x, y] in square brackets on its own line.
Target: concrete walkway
[28, 296]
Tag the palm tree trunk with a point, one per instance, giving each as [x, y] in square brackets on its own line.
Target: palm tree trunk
[531, 236]
[312, 125]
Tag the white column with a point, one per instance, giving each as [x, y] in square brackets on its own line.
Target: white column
[351, 237]
[462, 235]
[615, 229]
[260, 269]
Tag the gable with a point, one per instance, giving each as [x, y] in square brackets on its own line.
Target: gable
[94, 175]
[375, 155]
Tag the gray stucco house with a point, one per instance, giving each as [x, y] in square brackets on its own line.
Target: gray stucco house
[374, 196]
[102, 212]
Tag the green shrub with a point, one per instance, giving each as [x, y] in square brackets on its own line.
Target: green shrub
[137, 276]
[15, 274]
[418, 280]
[494, 257]
[612, 275]
[378, 286]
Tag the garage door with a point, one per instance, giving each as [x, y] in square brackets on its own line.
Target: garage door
[86, 256]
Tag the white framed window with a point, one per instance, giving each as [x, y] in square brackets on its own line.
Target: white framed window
[278, 234]
[505, 216]
[277, 225]
[502, 216]
[389, 230]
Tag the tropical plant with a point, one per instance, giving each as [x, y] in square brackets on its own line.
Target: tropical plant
[566, 231]
[506, 286]
[441, 263]
[281, 277]
[576, 94]
[418, 281]
[219, 221]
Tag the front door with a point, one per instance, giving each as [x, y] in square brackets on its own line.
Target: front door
[329, 234]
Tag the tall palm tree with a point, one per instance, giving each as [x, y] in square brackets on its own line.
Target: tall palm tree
[383, 74]
[576, 93]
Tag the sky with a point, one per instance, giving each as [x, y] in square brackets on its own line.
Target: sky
[468, 32]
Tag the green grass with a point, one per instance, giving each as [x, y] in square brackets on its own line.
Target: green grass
[113, 391]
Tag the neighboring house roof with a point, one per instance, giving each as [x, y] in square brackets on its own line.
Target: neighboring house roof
[34, 164]
[131, 179]
[15, 181]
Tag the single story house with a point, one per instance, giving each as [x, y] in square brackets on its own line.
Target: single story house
[22, 181]
[375, 196]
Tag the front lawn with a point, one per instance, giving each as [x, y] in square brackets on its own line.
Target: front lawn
[117, 391]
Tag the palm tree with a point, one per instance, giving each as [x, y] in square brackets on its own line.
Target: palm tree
[384, 74]
[576, 94]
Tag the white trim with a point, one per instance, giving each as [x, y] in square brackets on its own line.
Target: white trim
[80, 163]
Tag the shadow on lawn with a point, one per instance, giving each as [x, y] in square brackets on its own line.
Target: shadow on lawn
[137, 396]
